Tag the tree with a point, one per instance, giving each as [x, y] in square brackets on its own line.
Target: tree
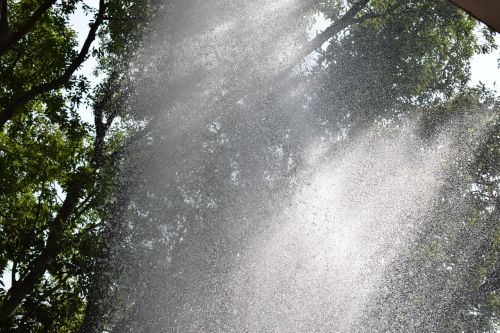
[397, 66]
[444, 279]
[56, 169]
[95, 222]
[372, 71]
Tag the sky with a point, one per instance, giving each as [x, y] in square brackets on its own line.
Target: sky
[484, 68]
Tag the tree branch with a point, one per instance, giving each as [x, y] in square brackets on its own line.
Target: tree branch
[25, 285]
[13, 272]
[12, 109]
[4, 22]
[336, 27]
[13, 38]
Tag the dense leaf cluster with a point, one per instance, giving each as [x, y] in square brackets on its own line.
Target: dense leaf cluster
[57, 171]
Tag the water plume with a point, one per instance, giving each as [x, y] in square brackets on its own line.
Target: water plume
[327, 248]
[249, 215]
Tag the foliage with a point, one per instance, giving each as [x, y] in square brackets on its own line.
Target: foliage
[387, 65]
[377, 68]
[57, 171]
[448, 278]
[411, 59]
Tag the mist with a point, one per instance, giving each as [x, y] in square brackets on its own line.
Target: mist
[249, 212]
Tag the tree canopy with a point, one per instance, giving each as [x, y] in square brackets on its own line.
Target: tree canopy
[64, 191]
[57, 170]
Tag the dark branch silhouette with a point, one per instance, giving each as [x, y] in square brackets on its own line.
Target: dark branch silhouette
[13, 108]
[4, 22]
[336, 27]
[7, 38]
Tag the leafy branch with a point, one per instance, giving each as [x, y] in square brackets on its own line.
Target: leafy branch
[13, 108]
[10, 39]
[82, 179]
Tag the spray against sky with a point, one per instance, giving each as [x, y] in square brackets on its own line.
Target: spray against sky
[328, 247]
[484, 67]
[259, 219]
